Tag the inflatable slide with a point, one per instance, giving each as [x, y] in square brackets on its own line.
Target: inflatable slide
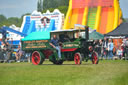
[102, 15]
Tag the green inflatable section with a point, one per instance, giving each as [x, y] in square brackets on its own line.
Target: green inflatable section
[37, 36]
[92, 17]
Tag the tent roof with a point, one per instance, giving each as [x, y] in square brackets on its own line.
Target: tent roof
[95, 35]
[37, 36]
[121, 30]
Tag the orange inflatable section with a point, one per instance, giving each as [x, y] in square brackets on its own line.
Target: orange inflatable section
[80, 16]
[103, 23]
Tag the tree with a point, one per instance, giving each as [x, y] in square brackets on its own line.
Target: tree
[63, 9]
[2, 18]
[54, 3]
[50, 5]
[40, 5]
[14, 20]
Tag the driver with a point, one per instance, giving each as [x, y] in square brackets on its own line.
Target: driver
[55, 44]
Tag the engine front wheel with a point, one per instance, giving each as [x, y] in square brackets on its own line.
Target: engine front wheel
[77, 58]
[37, 58]
[95, 58]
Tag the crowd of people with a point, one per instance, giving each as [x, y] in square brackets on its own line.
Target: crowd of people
[5, 50]
[106, 49]
[8, 54]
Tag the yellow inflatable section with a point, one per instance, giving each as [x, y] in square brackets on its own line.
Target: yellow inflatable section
[102, 15]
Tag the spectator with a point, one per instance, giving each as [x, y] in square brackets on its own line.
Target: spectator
[119, 52]
[28, 56]
[126, 48]
[19, 54]
[8, 51]
[1, 54]
[100, 47]
[104, 49]
[110, 49]
[123, 49]
[97, 46]
[3, 50]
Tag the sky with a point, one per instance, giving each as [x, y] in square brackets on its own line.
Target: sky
[16, 8]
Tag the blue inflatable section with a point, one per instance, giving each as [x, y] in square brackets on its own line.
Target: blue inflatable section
[26, 25]
[14, 31]
[51, 26]
[15, 42]
[32, 27]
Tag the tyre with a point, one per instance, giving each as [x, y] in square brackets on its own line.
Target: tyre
[95, 59]
[78, 58]
[37, 58]
[58, 62]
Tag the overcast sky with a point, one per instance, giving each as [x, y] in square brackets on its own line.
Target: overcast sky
[16, 8]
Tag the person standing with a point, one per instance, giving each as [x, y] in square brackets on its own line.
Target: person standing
[97, 47]
[3, 50]
[110, 49]
[104, 52]
[100, 48]
[95, 44]
[55, 44]
[126, 48]
[123, 49]
[1, 54]
[8, 51]
[19, 54]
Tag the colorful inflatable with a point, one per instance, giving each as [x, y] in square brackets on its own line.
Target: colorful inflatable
[48, 21]
[102, 15]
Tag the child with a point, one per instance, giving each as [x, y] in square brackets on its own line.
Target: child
[119, 53]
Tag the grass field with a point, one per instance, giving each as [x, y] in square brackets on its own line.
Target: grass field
[107, 72]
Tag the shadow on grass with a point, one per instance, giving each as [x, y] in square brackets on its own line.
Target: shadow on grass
[68, 64]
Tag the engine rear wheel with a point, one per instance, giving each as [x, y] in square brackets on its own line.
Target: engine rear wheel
[77, 58]
[37, 58]
[95, 58]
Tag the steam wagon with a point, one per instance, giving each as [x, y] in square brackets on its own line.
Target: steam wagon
[75, 45]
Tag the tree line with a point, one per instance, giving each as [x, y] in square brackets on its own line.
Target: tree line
[11, 20]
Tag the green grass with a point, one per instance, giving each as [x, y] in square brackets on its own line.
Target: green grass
[105, 73]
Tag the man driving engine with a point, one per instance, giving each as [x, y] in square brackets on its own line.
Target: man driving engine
[55, 44]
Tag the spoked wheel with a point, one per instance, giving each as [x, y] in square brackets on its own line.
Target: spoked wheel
[36, 58]
[77, 58]
[95, 59]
